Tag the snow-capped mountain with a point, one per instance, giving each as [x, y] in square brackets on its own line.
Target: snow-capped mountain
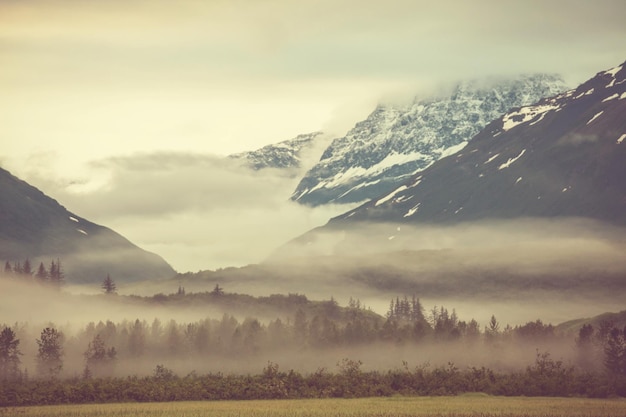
[36, 227]
[384, 150]
[287, 154]
[562, 156]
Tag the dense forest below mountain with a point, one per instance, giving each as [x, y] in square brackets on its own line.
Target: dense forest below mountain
[330, 351]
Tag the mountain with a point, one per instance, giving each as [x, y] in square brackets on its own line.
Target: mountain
[562, 156]
[37, 227]
[384, 150]
[532, 208]
[283, 155]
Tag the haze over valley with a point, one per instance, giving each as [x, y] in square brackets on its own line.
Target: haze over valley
[244, 190]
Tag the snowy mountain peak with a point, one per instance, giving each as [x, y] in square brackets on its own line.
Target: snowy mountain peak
[562, 156]
[381, 152]
[283, 155]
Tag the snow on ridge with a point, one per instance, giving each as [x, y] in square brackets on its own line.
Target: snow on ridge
[621, 138]
[511, 160]
[391, 195]
[491, 159]
[412, 210]
[82, 231]
[453, 149]
[595, 117]
[361, 185]
[356, 171]
[74, 219]
[302, 194]
[526, 114]
[585, 93]
[611, 97]
[613, 71]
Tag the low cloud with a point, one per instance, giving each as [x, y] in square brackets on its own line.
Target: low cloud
[197, 211]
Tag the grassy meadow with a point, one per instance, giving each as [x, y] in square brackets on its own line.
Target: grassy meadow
[459, 406]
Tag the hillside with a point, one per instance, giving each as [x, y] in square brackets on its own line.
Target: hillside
[36, 227]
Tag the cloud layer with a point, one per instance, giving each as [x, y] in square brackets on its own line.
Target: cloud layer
[198, 211]
[171, 83]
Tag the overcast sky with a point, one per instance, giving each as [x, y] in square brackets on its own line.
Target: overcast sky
[120, 109]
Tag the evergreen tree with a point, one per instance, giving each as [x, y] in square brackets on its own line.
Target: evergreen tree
[41, 274]
[9, 355]
[27, 268]
[50, 352]
[492, 331]
[217, 290]
[108, 285]
[7, 268]
[56, 274]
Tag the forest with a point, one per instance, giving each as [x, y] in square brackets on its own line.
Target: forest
[327, 350]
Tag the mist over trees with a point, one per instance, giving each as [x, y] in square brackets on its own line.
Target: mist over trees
[545, 376]
[329, 349]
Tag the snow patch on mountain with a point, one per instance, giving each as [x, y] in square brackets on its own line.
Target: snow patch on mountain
[596, 115]
[391, 195]
[510, 161]
[412, 210]
[526, 114]
[395, 141]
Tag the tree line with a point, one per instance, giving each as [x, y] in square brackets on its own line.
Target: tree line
[100, 345]
[53, 275]
[599, 360]
[544, 377]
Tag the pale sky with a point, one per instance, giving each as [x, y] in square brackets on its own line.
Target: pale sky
[118, 109]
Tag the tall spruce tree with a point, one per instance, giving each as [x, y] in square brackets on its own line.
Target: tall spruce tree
[56, 274]
[108, 285]
[27, 268]
[41, 274]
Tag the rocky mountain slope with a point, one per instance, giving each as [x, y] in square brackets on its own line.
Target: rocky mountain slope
[562, 156]
[37, 227]
[533, 208]
[287, 154]
[384, 150]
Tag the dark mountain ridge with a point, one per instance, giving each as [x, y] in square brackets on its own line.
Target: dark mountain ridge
[37, 227]
[562, 156]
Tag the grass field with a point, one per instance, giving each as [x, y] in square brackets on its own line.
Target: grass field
[461, 406]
